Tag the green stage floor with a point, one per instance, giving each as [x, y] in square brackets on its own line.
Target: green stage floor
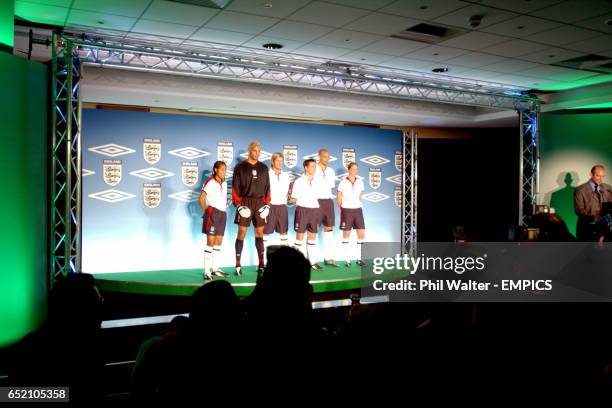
[184, 282]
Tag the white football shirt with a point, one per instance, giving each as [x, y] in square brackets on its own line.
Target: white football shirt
[216, 193]
[351, 192]
[305, 191]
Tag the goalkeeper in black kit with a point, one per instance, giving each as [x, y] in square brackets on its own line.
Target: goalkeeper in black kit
[251, 196]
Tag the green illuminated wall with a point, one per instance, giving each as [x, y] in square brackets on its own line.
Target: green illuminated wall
[7, 27]
[570, 145]
[23, 208]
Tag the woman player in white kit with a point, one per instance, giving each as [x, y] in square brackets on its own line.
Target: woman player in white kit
[213, 200]
[349, 195]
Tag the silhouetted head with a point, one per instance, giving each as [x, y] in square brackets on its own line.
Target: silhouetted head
[286, 281]
[568, 179]
[75, 304]
[213, 303]
[552, 228]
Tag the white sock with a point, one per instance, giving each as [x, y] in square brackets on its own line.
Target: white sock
[216, 256]
[346, 249]
[284, 240]
[328, 245]
[359, 245]
[207, 259]
[266, 243]
[299, 245]
[313, 255]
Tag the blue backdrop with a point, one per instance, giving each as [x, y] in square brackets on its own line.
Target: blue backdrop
[142, 173]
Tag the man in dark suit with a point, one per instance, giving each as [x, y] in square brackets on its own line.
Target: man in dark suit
[588, 200]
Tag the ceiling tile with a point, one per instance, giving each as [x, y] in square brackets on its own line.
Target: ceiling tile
[361, 57]
[551, 55]
[521, 26]
[406, 63]
[109, 21]
[534, 83]
[155, 38]
[563, 35]
[348, 39]
[292, 30]
[163, 29]
[510, 66]
[197, 44]
[279, 9]
[177, 13]
[436, 53]
[592, 45]
[475, 59]
[461, 17]
[575, 10]
[364, 4]
[132, 8]
[523, 81]
[384, 24]
[556, 73]
[240, 22]
[480, 74]
[321, 51]
[394, 46]
[40, 13]
[514, 48]
[259, 41]
[474, 40]
[423, 9]
[220, 36]
[327, 14]
[597, 23]
[523, 6]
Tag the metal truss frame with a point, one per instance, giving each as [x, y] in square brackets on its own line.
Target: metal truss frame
[65, 183]
[70, 53]
[530, 162]
[409, 185]
[294, 73]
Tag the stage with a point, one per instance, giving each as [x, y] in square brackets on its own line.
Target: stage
[184, 282]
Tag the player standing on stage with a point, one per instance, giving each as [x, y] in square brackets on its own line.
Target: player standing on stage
[278, 220]
[326, 176]
[350, 191]
[307, 215]
[213, 200]
[251, 196]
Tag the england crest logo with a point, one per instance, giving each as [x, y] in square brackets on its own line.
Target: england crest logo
[112, 172]
[375, 177]
[225, 152]
[151, 150]
[151, 194]
[399, 160]
[189, 173]
[398, 196]
[290, 152]
[348, 156]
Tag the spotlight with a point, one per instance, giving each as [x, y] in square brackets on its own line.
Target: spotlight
[272, 46]
[475, 20]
